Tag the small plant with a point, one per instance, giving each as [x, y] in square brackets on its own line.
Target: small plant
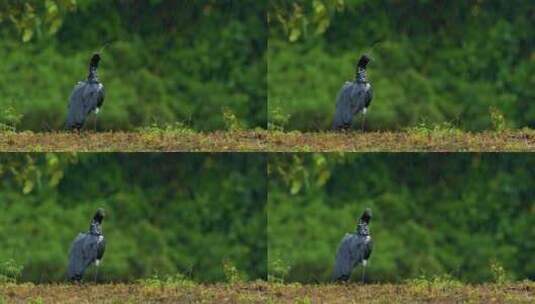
[154, 281]
[179, 279]
[443, 282]
[232, 275]
[175, 128]
[10, 271]
[305, 300]
[9, 119]
[442, 130]
[499, 275]
[497, 119]
[175, 280]
[278, 270]
[232, 123]
[37, 300]
[278, 120]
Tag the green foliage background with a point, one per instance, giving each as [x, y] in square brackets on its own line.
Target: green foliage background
[166, 213]
[166, 60]
[434, 214]
[433, 61]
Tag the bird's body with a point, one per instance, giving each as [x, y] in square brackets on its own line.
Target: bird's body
[87, 248]
[86, 97]
[354, 97]
[354, 249]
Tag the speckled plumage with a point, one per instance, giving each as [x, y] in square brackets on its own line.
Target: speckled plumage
[87, 248]
[354, 97]
[354, 249]
[86, 97]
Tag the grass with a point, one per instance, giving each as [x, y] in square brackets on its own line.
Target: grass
[437, 139]
[263, 292]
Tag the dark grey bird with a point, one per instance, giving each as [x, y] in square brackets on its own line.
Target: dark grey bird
[87, 248]
[354, 249]
[86, 97]
[354, 97]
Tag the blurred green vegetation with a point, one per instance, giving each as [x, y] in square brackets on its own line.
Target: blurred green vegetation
[433, 61]
[468, 216]
[163, 61]
[200, 216]
[33, 18]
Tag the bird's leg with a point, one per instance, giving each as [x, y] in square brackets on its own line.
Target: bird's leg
[96, 117]
[364, 263]
[96, 274]
[363, 118]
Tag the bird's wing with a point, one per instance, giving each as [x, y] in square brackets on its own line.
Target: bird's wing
[101, 247]
[369, 249]
[76, 266]
[360, 249]
[343, 263]
[343, 115]
[369, 96]
[101, 96]
[358, 95]
[93, 96]
[90, 249]
[76, 112]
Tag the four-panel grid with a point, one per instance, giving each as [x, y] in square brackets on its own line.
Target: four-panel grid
[272, 151]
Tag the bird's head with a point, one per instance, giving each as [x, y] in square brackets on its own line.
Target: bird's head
[363, 61]
[99, 215]
[366, 216]
[95, 60]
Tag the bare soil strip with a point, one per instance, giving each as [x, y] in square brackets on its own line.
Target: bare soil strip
[268, 141]
[262, 292]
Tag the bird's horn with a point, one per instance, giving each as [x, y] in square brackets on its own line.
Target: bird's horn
[366, 215]
[363, 61]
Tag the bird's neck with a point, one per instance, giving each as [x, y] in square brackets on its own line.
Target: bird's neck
[95, 228]
[363, 229]
[92, 74]
[361, 77]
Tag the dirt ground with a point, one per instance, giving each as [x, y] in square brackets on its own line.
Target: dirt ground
[262, 292]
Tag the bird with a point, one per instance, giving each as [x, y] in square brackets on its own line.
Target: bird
[87, 248]
[354, 249]
[354, 97]
[86, 97]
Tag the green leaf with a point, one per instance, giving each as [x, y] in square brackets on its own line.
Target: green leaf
[28, 186]
[27, 35]
[295, 33]
[319, 7]
[54, 27]
[322, 26]
[296, 186]
[51, 7]
[55, 178]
